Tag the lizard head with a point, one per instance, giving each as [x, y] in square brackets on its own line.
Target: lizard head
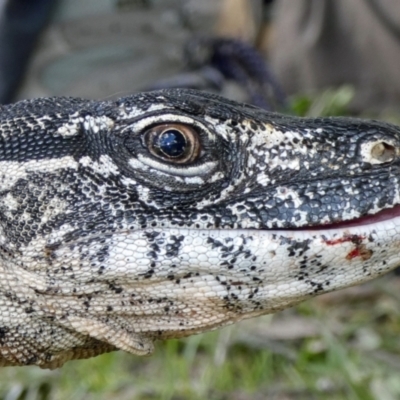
[168, 213]
[212, 163]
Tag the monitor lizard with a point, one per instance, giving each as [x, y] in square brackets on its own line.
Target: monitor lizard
[169, 213]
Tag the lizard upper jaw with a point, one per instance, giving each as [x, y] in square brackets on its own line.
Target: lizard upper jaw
[380, 216]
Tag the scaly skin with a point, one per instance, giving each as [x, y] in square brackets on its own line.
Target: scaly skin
[109, 243]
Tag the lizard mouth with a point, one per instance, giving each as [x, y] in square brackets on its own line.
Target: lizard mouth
[380, 216]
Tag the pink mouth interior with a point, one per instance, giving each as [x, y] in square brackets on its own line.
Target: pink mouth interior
[366, 220]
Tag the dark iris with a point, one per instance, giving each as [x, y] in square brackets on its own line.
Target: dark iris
[172, 143]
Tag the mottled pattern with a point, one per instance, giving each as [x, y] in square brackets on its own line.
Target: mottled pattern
[105, 246]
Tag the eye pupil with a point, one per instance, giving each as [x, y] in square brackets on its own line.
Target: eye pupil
[172, 143]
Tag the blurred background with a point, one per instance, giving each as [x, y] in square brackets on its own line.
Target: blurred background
[304, 57]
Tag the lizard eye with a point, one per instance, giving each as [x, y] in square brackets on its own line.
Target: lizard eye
[176, 143]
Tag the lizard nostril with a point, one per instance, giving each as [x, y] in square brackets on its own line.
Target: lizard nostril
[383, 152]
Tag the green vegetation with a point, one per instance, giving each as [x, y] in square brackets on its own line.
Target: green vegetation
[330, 102]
